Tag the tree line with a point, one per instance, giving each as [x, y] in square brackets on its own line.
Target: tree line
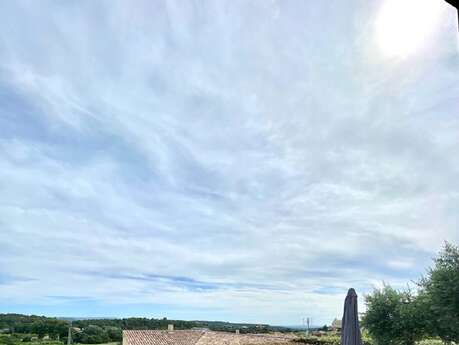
[97, 331]
[33, 324]
[402, 317]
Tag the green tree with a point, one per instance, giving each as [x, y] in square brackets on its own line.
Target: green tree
[93, 335]
[56, 328]
[39, 328]
[114, 333]
[440, 294]
[8, 340]
[392, 317]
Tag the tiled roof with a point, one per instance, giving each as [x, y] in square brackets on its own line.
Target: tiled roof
[221, 338]
[198, 338]
[150, 337]
[336, 323]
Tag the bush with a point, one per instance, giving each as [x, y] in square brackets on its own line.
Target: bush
[114, 333]
[394, 317]
[328, 340]
[92, 335]
[430, 342]
[440, 293]
[8, 340]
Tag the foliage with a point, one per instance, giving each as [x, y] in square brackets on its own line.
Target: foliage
[18, 339]
[96, 331]
[334, 339]
[393, 317]
[440, 295]
[145, 323]
[40, 325]
[114, 333]
[92, 334]
[366, 338]
[9, 340]
[430, 342]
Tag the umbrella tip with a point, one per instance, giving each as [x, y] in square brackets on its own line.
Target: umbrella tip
[351, 292]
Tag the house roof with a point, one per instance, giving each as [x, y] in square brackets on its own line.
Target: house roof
[337, 323]
[153, 337]
[196, 337]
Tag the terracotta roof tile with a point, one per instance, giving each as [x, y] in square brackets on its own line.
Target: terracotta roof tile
[151, 337]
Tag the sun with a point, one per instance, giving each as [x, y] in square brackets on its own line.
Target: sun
[404, 26]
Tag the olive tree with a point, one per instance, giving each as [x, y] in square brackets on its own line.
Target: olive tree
[440, 294]
[393, 317]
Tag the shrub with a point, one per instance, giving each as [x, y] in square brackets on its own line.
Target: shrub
[440, 293]
[8, 340]
[328, 340]
[393, 317]
[430, 342]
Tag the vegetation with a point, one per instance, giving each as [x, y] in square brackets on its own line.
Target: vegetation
[329, 339]
[392, 317]
[93, 334]
[430, 342]
[38, 325]
[440, 295]
[403, 318]
[23, 328]
[17, 339]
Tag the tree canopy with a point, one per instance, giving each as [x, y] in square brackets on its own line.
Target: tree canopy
[440, 294]
[402, 317]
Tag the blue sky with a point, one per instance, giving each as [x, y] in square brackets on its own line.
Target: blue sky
[231, 160]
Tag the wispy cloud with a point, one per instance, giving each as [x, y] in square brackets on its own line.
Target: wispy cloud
[219, 160]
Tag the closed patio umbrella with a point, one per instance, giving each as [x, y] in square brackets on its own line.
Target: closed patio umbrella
[350, 331]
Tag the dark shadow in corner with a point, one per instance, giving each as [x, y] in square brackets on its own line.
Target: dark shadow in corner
[455, 3]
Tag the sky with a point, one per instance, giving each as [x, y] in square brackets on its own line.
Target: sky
[223, 160]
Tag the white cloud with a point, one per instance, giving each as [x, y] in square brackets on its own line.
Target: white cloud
[236, 157]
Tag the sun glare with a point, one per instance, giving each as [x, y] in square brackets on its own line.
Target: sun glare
[404, 26]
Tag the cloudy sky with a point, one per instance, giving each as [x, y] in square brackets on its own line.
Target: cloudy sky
[230, 160]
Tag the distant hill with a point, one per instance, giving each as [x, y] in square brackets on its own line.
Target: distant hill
[145, 323]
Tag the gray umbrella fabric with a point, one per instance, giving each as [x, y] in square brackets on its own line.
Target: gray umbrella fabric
[350, 330]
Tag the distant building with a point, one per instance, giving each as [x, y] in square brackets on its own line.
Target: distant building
[336, 325]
